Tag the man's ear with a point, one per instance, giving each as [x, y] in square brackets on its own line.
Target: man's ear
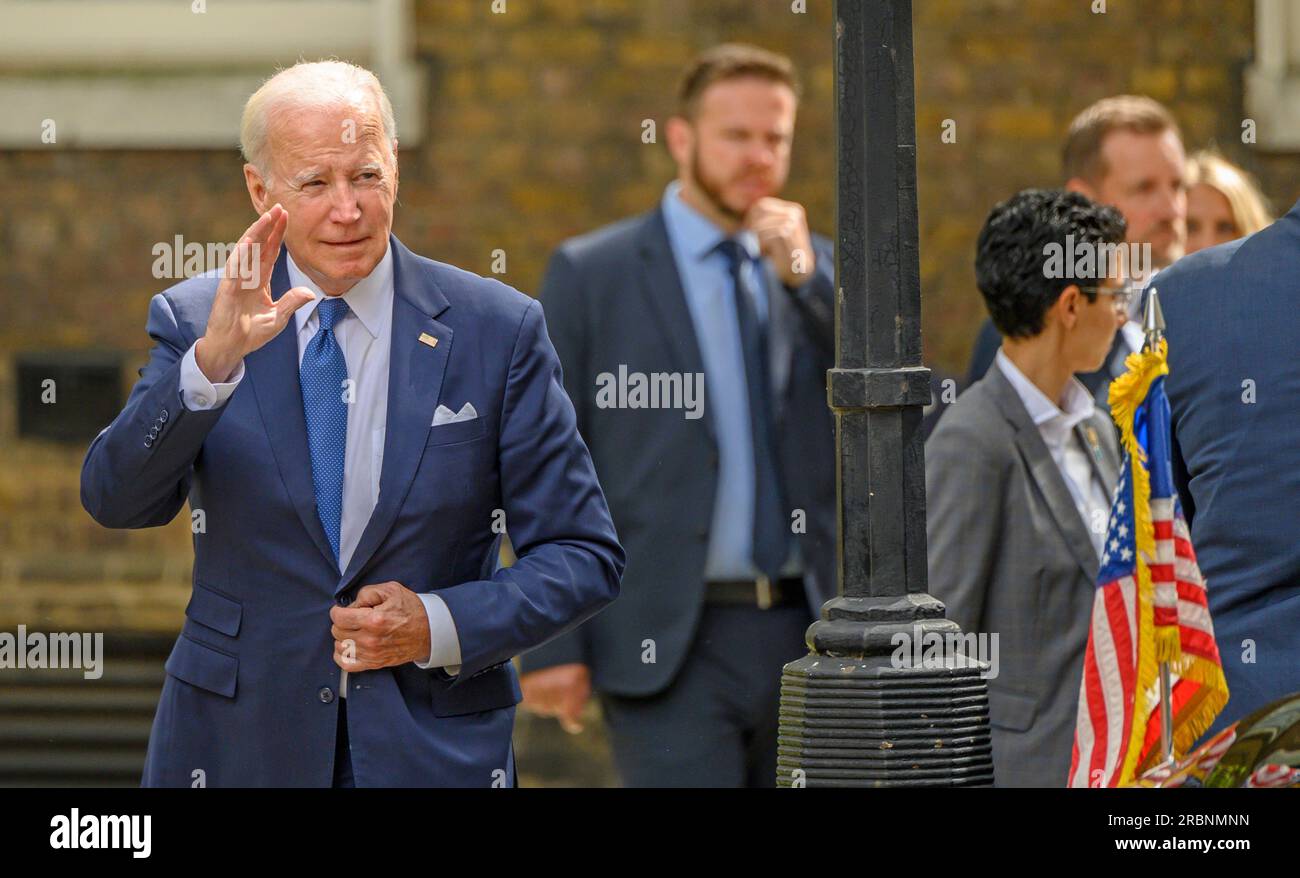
[1082, 186]
[396, 167]
[681, 136]
[257, 189]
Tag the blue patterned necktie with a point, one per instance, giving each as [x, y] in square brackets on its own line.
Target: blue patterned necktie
[322, 376]
[771, 533]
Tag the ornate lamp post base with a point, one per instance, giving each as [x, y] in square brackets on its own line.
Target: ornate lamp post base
[884, 700]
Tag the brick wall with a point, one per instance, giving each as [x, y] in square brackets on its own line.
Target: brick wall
[534, 134]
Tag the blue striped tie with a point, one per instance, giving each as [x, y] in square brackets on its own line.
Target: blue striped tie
[322, 376]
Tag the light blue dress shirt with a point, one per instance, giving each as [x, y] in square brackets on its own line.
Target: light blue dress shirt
[706, 281]
[364, 335]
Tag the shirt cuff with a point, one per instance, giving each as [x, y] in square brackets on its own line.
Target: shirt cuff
[444, 643]
[197, 392]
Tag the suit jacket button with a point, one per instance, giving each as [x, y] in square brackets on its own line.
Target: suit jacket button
[148, 442]
[344, 600]
[163, 416]
[326, 694]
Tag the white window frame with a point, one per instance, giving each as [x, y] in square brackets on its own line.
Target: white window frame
[156, 74]
[1273, 81]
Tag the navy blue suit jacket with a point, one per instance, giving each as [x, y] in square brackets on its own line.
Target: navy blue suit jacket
[247, 698]
[614, 298]
[1234, 337]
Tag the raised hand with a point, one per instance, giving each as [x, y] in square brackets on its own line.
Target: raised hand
[243, 317]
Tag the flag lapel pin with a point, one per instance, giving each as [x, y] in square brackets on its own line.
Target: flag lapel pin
[428, 339]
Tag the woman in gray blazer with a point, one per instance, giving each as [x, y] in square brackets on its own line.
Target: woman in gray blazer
[1020, 471]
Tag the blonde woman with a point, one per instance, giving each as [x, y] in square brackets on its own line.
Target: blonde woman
[1223, 202]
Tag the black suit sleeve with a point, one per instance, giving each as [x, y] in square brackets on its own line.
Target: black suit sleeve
[815, 300]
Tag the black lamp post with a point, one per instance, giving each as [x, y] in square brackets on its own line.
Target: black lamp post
[860, 710]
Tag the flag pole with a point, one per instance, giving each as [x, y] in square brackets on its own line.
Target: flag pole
[1153, 323]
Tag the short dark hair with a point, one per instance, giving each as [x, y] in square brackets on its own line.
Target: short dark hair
[732, 61]
[1081, 155]
[1011, 254]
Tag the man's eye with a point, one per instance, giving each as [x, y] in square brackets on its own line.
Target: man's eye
[371, 174]
[314, 183]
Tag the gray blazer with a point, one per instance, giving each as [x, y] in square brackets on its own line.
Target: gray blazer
[1010, 555]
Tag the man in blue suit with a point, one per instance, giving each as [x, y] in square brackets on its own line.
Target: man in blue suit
[727, 503]
[348, 421]
[1234, 392]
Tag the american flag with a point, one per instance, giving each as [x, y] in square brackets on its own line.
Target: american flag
[1150, 605]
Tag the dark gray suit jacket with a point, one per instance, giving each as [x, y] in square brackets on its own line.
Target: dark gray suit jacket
[1010, 555]
[613, 297]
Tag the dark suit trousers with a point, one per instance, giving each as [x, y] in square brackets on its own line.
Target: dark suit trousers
[343, 750]
[716, 723]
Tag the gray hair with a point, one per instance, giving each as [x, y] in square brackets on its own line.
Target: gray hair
[306, 85]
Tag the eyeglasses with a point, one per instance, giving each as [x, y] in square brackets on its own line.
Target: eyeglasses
[1122, 295]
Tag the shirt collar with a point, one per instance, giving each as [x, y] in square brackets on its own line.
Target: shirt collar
[693, 234]
[1078, 401]
[367, 298]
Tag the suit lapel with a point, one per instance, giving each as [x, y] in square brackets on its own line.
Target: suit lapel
[415, 374]
[272, 370]
[663, 288]
[1046, 475]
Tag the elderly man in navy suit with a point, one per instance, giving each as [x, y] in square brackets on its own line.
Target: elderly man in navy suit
[351, 418]
[1234, 393]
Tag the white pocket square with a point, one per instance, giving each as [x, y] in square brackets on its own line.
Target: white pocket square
[443, 415]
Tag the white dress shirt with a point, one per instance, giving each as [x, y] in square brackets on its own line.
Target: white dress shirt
[364, 334]
[1057, 429]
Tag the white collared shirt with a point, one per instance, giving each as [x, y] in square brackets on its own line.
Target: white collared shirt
[1056, 426]
[364, 335]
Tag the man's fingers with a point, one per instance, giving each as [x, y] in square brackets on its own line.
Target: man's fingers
[768, 235]
[776, 222]
[260, 231]
[349, 618]
[339, 632]
[253, 232]
[370, 596]
[269, 249]
[347, 656]
[570, 721]
[236, 259]
[291, 301]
